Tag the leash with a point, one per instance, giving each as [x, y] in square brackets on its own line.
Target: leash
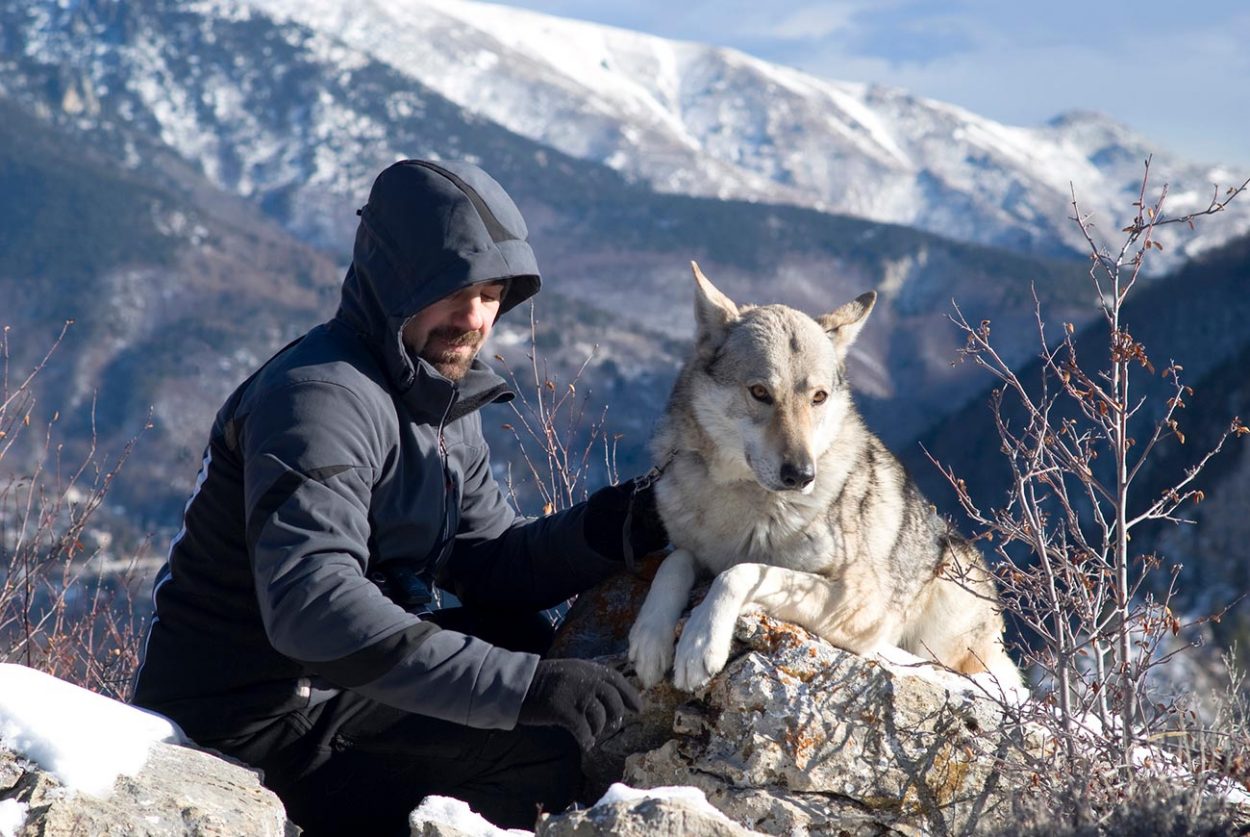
[643, 483]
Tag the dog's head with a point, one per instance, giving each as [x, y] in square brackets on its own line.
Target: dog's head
[772, 392]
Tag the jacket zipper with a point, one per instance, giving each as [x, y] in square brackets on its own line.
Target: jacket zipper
[449, 487]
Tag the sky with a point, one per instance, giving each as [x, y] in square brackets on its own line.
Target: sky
[1176, 71]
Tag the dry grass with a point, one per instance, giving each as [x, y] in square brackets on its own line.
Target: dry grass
[65, 606]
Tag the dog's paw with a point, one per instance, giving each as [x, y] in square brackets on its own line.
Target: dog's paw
[651, 652]
[702, 650]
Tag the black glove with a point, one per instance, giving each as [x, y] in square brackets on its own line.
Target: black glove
[622, 522]
[587, 699]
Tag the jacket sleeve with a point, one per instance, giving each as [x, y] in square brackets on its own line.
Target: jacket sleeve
[502, 560]
[312, 451]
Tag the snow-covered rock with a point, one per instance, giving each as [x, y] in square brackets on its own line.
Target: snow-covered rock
[83, 739]
[179, 791]
[630, 812]
[443, 816]
[73, 762]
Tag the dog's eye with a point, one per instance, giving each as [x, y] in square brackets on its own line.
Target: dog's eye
[820, 397]
[760, 393]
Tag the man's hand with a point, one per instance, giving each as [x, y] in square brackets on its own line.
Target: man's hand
[622, 522]
[587, 699]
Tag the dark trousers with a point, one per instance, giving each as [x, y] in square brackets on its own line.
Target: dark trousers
[354, 766]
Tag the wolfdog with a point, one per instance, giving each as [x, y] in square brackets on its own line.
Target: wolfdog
[772, 482]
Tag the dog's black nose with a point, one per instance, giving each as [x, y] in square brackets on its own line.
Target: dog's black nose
[797, 476]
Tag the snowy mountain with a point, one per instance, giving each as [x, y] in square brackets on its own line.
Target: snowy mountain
[703, 120]
[339, 84]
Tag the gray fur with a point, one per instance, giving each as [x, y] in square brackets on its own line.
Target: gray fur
[856, 555]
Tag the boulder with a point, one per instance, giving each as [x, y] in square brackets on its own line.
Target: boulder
[630, 813]
[180, 791]
[623, 812]
[797, 736]
[597, 628]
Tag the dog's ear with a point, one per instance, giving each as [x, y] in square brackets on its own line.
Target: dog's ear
[713, 311]
[843, 325]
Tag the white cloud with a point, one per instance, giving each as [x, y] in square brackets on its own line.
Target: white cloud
[819, 20]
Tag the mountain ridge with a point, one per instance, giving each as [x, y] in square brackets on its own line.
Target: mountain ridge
[716, 122]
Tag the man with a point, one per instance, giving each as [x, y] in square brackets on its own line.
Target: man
[296, 623]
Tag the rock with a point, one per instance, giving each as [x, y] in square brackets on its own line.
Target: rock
[644, 817]
[180, 791]
[798, 735]
[598, 623]
[624, 812]
[444, 816]
[597, 628]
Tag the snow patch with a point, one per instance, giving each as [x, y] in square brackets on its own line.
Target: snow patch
[444, 810]
[86, 740]
[691, 796]
[12, 817]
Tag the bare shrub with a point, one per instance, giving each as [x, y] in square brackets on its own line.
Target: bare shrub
[1100, 621]
[558, 444]
[65, 603]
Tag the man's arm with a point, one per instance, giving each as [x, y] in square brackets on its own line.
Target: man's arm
[503, 560]
[311, 453]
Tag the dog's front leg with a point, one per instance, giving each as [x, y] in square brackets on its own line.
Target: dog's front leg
[651, 638]
[820, 605]
[704, 646]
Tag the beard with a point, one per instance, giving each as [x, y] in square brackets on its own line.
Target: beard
[442, 351]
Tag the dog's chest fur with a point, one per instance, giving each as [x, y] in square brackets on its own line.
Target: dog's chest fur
[727, 523]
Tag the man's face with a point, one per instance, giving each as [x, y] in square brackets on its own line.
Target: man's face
[449, 333]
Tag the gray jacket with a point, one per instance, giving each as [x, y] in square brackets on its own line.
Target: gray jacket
[343, 454]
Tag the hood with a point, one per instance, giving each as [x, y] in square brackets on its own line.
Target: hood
[430, 229]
